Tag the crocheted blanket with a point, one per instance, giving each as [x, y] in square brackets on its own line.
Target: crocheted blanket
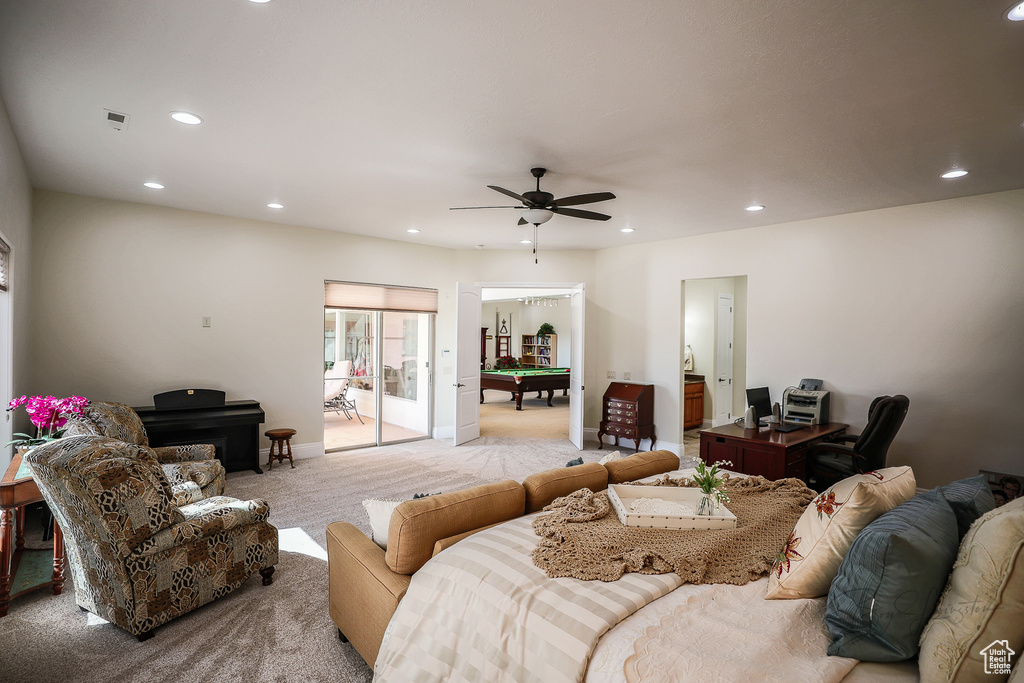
[579, 538]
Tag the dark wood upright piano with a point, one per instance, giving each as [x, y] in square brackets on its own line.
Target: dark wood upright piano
[187, 416]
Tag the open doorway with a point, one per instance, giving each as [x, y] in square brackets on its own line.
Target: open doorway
[529, 330]
[471, 357]
[714, 347]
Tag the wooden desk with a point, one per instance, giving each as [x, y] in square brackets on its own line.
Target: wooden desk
[764, 451]
[17, 489]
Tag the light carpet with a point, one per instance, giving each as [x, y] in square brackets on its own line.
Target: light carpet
[280, 632]
[538, 420]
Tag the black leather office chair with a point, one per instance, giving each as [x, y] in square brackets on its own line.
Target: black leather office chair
[832, 461]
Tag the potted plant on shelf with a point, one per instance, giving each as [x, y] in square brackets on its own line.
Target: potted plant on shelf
[48, 414]
[543, 332]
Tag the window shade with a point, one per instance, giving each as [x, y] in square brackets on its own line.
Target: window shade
[5, 261]
[364, 297]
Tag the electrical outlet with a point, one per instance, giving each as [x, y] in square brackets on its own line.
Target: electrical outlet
[626, 375]
[207, 321]
[611, 374]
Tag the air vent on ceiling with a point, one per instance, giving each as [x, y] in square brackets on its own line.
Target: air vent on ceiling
[117, 120]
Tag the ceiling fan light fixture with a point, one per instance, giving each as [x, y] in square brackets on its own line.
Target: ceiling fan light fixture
[1016, 13]
[537, 216]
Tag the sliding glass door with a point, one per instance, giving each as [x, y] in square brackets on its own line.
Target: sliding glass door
[376, 377]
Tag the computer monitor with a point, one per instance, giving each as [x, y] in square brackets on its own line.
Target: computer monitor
[761, 401]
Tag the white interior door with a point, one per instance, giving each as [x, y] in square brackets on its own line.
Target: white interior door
[578, 301]
[467, 362]
[723, 360]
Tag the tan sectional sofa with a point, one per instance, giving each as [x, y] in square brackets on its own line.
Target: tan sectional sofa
[367, 583]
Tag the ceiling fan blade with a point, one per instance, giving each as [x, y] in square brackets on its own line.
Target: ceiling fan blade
[509, 193]
[580, 213]
[460, 208]
[523, 221]
[578, 199]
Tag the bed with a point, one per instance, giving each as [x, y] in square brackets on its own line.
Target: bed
[482, 611]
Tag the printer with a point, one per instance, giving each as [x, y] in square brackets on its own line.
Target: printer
[805, 406]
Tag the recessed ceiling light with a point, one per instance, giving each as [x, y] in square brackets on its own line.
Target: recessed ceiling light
[412, 230]
[259, 2]
[955, 173]
[275, 205]
[755, 207]
[186, 117]
[153, 186]
[525, 241]
[628, 230]
[1016, 13]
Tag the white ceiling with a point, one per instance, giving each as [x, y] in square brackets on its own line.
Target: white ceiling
[375, 117]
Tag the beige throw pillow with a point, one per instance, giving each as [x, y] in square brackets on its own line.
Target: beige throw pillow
[982, 607]
[806, 566]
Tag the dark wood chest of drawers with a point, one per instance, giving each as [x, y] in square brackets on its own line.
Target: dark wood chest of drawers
[628, 410]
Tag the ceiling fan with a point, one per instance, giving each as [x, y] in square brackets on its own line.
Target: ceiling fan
[538, 207]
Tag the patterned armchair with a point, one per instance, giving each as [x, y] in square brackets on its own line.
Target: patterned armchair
[185, 466]
[138, 560]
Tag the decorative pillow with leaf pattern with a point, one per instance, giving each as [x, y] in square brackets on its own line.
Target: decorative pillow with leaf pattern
[811, 558]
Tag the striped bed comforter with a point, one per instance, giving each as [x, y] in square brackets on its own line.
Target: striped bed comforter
[481, 611]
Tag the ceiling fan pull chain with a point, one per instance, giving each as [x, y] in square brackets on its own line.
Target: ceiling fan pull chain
[535, 244]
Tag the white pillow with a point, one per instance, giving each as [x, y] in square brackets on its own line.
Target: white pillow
[806, 566]
[379, 511]
[615, 455]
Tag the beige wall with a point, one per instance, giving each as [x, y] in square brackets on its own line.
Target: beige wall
[123, 287]
[16, 308]
[925, 300]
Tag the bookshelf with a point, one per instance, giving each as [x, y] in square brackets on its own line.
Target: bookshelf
[539, 351]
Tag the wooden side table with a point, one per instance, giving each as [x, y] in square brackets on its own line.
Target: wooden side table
[18, 489]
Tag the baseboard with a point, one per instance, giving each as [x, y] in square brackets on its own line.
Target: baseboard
[590, 434]
[299, 450]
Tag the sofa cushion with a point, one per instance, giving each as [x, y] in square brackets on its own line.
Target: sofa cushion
[983, 601]
[890, 581]
[640, 465]
[417, 524]
[543, 487]
[970, 498]
[806, 567]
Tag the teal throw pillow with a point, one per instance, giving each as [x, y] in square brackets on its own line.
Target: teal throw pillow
[891, 579]
[970, 498]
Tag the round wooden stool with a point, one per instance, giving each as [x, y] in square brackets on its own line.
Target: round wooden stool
[281, 438]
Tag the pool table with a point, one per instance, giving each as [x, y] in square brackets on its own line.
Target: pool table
[522, 380]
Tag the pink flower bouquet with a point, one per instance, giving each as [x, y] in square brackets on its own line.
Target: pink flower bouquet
[48, 414]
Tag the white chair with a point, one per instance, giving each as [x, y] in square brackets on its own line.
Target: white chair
[336, 382]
